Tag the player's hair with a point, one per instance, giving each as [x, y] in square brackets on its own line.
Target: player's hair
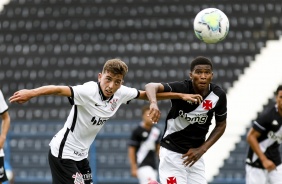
[278, 89]
[200, 60]
[115, 66]
[145, 108]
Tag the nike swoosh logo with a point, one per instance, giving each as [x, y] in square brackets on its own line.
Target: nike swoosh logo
[97, 105]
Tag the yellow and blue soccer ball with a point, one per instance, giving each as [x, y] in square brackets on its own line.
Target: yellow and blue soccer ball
[211, 25]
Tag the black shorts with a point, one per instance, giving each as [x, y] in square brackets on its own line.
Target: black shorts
[69, 171]
[3, 176]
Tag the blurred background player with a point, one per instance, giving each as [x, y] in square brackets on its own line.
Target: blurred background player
[187, 124]
[143, 148]
[4, 131]
[263, 163]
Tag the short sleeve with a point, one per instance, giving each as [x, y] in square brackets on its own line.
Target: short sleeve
[262, 122]
[3, 104]
[81, 94]
[134, 140]
[221, 108]
[127, 94]
[177, 86]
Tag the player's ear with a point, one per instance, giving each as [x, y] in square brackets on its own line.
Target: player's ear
[190, 75]
[99, 77]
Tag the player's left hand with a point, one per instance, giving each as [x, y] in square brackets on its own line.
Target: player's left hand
[154, 112]
[192, 156]
[21, 96]
[193, 98]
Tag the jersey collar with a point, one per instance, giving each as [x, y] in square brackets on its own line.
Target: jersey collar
[103, 97]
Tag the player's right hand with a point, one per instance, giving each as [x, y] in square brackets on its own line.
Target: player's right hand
[154, 112]
[21, 96]
[269, 165]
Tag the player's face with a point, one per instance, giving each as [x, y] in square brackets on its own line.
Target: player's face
[201, 77]
[279, 100]
[110, 83]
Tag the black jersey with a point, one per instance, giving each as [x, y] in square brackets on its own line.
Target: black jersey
[145, 143]
[187, 124]
[269, 125]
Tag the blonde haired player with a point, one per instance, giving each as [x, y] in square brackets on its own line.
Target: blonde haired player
[93, 103]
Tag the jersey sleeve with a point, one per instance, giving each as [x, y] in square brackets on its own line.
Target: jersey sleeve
[127, 94]
[221, 108]
[173, 87]
[133, 141]
[3, 104]
[262, 122]
[81, 94]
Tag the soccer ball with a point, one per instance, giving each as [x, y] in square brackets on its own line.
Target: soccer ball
[211, 25]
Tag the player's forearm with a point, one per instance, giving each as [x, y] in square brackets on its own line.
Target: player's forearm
[255, 147]
[50, 90]
[252, 139]
[214, 136]
[160, 96]
[132, 158]
[151, 92]
[5, 124]
[168, 95]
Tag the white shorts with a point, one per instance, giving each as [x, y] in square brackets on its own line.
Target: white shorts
[145, 173]
[262, 176]
[172, 170]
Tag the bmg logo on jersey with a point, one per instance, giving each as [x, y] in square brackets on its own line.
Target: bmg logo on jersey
[98, 120]
[195, 118]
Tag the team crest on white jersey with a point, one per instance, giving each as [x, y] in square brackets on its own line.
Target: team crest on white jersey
[113, 103]
[78, 179]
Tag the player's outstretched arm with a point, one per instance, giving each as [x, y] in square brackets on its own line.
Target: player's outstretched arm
[154, 91]
[24, 95]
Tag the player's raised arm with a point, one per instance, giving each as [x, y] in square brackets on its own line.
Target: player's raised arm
[24, 95]
[155, 91]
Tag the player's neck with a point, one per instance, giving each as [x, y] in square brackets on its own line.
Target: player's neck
[147, 127]
[203, 93]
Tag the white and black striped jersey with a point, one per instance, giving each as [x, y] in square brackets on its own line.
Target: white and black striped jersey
[3, 109]
[145, 143]
[89, 113]
[187, 124]
[269, 125]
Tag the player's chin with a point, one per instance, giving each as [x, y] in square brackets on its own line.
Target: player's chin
[202, 86]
